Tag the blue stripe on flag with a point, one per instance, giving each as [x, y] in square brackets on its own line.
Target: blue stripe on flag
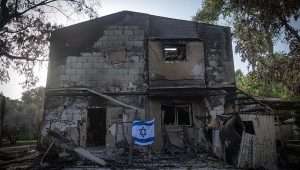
[144, 140]
[135, 123]
[143, 144]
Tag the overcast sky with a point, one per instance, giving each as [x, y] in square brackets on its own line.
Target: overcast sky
[180, 9]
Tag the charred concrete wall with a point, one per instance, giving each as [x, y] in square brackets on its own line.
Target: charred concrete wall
[179, 135]
[114, 63]
[69, 116]
[66, 115]
[119, 120]
[188, 72]
[117, 55]
[99, 48]
[219, 58]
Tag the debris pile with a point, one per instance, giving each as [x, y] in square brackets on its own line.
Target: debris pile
[167, 161]
[152, 161]
[120, 158]
[18, 157]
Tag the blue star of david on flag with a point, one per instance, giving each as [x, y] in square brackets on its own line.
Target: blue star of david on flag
[143, 132]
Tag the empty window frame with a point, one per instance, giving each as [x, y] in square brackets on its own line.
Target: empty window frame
[177, 114]
[249, 127]
[174, 52]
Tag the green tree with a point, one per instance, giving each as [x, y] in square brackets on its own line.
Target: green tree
[32, 102]
[25, 32]
[257, 25]
[23, 116]
[256, 87]
[13, 117]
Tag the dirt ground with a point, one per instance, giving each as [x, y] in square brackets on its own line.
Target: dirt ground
[26, 157]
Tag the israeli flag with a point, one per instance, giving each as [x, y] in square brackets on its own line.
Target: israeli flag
[143, 132]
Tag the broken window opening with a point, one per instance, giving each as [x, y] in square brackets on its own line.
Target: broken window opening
[169, 114]
[177, 114]
[174, 52]
[249, 127]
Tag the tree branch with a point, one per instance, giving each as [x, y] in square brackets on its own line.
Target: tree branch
[6, 17]
[15, 31]
[16, 6]
[60, 11]
[35, 6]
[13, 57]
[290, 28]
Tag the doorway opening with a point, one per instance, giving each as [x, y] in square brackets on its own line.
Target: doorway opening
[96, 127]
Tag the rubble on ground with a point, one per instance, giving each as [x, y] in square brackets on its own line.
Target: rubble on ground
[18, 157]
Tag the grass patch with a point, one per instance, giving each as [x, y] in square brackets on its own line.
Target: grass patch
[24, 142]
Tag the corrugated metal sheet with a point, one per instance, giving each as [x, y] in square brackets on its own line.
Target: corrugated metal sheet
[264, 149]
[246, 155]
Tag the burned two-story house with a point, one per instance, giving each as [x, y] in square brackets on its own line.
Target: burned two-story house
[107, 72]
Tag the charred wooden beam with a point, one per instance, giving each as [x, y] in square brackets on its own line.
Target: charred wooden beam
[239, 98]
[69, 145]
[247, 103]
[102, 95]
[253, 111]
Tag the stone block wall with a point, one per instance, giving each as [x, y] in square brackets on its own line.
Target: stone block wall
[115, 63]
[114, 37]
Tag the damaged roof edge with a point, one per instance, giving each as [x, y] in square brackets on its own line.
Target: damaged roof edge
[109, 98]
[123, 13]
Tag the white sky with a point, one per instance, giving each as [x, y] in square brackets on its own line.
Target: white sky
[180, 9]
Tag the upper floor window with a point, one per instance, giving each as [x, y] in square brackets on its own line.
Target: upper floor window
[177, 114]
[174, 51]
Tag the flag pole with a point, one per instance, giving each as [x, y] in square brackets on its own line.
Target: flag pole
[130, 152]
[131, 144]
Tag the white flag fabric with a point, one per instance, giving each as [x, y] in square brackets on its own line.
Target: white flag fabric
[143, 132]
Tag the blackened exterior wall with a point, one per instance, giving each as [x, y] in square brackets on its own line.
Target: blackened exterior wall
[120, 55]
[120, 41]
[115, 63]
[187, 73]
